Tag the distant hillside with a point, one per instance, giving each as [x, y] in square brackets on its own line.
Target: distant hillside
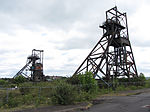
[147, 78]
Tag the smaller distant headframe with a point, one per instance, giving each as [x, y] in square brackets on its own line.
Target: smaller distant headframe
[33, 69]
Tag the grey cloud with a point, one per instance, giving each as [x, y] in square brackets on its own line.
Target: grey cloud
[10, 72]
[139, 42]
[78, 43]
[88, 42]
[59, 14]
[50, 13]
[143, 70]
[58, 72]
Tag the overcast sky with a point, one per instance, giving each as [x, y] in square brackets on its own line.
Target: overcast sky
[66, 30]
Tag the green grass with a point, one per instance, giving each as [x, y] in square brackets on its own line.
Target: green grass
[32, 95]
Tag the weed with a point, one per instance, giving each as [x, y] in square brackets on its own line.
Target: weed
[64, 93]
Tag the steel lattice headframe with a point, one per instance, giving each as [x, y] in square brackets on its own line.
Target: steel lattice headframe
[34, 66]
[112, 56]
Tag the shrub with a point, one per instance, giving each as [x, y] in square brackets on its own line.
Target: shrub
[3, 82]
[25, 88]
[85, 81]
[132, 87]
[64, 93]
[147, 85]
[142, 77]
[84, 96]
[120, 88]
[11, 102]
[19, 79]
[28, 99]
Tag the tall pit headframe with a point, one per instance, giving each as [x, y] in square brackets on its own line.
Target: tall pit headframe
[112, 56]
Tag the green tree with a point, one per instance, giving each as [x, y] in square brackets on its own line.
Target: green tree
[86, 81]
[19, 79]
[3, 82]
[142, 77]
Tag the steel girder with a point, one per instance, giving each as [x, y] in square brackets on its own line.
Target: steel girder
[112, 56]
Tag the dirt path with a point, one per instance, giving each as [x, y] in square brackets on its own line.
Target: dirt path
[133, 101]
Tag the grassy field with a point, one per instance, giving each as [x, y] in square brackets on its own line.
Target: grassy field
[16, 96]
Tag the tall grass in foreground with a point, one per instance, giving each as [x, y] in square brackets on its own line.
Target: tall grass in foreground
[79, 88]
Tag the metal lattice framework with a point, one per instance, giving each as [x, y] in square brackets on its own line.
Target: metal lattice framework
[112, 56]
[34, 66]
